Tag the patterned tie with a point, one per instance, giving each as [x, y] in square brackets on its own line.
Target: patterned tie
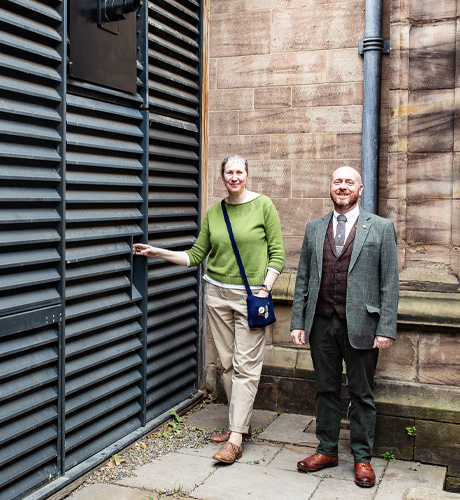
[340, 233]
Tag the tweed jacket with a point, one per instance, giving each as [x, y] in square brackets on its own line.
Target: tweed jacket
[372, 284]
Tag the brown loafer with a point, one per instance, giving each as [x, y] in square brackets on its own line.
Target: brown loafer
[223, 436]
[228, 453]
[364, 475]
[317, 462]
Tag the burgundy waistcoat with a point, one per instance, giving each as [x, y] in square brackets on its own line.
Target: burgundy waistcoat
[333, 290]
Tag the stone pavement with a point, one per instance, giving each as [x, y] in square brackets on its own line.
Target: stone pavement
[267, 469]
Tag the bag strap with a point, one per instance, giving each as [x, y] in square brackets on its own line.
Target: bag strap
[235, 248]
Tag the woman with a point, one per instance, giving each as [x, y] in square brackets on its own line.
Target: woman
[257, 232]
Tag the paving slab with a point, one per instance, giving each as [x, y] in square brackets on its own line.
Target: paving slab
[339, 489]
[174, 471]
[254, 453]
[401, 475]
[243, 482]
[214, 416]
[111, 492]
[429, 494]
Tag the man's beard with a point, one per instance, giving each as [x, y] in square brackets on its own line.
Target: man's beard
[350, 201]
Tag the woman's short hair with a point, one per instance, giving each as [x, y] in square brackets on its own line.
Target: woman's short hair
[236, 158]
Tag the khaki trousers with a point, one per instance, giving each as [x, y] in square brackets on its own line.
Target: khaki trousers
[240, 349]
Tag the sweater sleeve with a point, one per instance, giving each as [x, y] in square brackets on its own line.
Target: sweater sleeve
[274, 238]
[202, 245]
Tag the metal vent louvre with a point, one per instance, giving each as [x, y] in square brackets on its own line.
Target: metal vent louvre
[30, 118]
[103, 333]
[174, 76]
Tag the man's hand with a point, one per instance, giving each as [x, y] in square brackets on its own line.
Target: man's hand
[382, 342]
[298, 337]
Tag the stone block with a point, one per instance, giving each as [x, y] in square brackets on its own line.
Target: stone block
[280, 290]
[304, 364]
[297, 146]
[349, 146]
[399, 59]
[212, 74]
[426, 255]
[300, 68]
[330, 119]
[281, 329]
[226, 31]
[415, 400]
[296, 212]
[456, 224]
[399, 362]
[439, 359]
[423, 11]
[433, 169]
[391, 434]
[279, 361]
[432, 56]
[457, 113]
[251, 147]
[429, 222]
[398, 122]
[297, 396]
[277, 97]
[272, 178]
[456, 178]
[431, 121]
[428, 494]
[226, 100]
[396, 175]
[317, 26]
[328, 94]
[275, 121]
[344, 65]
[292, 246]
[223, 123]
[316, 175]
[267, 393]
[437, 443]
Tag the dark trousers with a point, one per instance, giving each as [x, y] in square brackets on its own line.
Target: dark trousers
[329, 348]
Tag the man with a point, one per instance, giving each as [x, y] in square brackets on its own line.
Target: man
[345, 306]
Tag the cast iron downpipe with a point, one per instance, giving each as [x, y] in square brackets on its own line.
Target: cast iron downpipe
[372, 48]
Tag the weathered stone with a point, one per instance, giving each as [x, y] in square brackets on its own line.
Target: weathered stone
[429, 224]
[294, 146]
[249, 146]
[440, 9]
[267, 393]
[415, 400]
[344, 65]
[226, 100]
[431, 121]
[295, 213]
[430, 169]
[439, 359]
[349, 146]
[297, 396]
[317, 27]
[224, 123]
[292, 246]
[432, 56]
[399, 60]
[271, 70]
[437, 443]
[279, 361]
[328, 94]
[304, 364]
[399, 362]
[275, 121]
[272, 178]
[391, 434]
[398, 121]
[278, 97]
[428, 494]
[226, 30]
[308, 175]
[396, 175]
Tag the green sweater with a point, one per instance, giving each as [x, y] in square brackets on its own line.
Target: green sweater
[257, 230]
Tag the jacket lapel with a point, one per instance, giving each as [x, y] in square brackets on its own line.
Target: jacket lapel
[362, 229]
[320, 236]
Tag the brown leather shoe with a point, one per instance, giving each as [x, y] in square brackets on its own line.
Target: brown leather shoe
[228, 453]
[364, 475]
[317, 462]
[223, 436]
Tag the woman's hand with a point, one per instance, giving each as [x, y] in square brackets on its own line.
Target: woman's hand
[263, 294]
[147, 250]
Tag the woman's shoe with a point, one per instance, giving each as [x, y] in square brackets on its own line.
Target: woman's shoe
[228, 453]
[223, 436]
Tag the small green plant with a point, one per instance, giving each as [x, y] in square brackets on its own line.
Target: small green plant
[389, 455]
[411, 430]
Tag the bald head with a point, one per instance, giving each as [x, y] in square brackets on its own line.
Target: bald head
[349, 172]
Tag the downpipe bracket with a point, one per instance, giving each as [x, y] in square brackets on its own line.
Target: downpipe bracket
[374, 44]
